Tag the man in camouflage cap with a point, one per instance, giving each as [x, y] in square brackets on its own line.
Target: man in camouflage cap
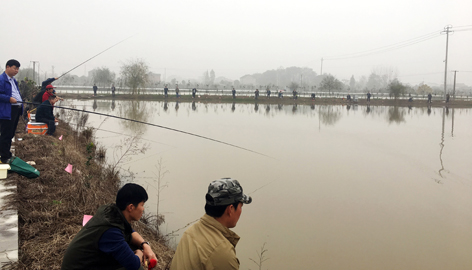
[209, 243]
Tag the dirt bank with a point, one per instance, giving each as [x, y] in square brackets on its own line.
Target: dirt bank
[285, 100]
[51, 207]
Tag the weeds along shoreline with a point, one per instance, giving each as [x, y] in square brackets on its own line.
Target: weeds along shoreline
[51, 207]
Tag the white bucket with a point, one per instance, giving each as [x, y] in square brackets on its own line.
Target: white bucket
[3, 170]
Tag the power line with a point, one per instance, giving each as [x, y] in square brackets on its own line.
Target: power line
[422, 74]
[463, 26]
[394, 46]
[462, 30]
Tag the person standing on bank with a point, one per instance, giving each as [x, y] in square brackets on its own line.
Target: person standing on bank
[95, 88]
[209, 243]
[106, 241]
[194, 92]
[113, 89]
[10, 108]
[177, 91]
[44, 114]
[166, 90]
[256, 93]
[234, 93]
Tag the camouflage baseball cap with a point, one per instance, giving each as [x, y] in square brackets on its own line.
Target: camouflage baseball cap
[226, 191]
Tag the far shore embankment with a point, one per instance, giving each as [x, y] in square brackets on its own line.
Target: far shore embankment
[286, 100]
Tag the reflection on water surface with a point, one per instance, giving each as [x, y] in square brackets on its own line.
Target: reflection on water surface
[359, 187]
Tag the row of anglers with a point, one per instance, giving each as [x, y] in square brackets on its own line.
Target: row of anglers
[233, 93]
[280, 93]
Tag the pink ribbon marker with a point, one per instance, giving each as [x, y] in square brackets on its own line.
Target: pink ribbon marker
[69, 169]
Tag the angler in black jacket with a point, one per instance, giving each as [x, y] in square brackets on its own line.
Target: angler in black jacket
[44, 114]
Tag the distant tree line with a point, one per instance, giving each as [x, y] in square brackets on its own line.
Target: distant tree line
[135, 75]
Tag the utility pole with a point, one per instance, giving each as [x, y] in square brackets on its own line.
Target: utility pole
[447, 31]
[454, 87]
[34, 69]
[321, 73]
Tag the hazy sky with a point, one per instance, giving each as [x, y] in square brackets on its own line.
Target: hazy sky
[235, 38]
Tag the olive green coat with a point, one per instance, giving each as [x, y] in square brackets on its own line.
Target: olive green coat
[207, 245]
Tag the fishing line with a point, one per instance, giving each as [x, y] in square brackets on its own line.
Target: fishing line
[95, 56]
[154, 125]
[261, 187]
[124, 134]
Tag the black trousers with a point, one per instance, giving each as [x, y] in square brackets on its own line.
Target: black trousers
[51, 125]
[7, 130]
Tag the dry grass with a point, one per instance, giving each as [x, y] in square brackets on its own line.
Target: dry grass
[51, 207]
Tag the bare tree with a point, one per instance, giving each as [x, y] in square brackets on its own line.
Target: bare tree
[262, 257]
[135, 75]
[396, 89]
[293, 86]
[102, 76]
[330, 83]
[424, 89]
[161, 172]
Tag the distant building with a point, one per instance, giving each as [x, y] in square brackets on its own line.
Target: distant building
[154, 78]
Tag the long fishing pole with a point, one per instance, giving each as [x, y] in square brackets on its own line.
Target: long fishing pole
[95, 56]
[150, 124]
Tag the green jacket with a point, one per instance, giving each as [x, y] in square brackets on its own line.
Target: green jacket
[83, 252]
[207, 245]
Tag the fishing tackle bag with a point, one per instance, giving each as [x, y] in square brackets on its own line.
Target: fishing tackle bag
[20, 167]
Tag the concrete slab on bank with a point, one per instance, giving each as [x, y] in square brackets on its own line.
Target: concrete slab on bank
[8, 227]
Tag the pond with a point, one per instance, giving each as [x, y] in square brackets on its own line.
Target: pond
[334, 187]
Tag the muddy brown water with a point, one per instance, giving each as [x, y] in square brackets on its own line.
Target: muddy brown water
[339, 188]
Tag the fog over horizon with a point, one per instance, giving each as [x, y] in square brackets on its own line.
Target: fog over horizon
[184, 39]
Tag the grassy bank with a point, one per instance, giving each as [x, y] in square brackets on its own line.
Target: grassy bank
[51, 207]
[287, 100]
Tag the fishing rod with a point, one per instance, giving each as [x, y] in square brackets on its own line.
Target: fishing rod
[149, 124]
[95, 56]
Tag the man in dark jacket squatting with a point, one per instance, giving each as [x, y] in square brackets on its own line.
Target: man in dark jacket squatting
[106, 241]
[44, 114]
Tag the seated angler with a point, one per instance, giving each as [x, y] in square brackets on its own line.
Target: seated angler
[209, 243]
[44, 114]
[48, 93]
[107, 240]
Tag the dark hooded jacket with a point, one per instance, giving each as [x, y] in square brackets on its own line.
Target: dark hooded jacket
[84, 253]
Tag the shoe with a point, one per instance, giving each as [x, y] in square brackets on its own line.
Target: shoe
[5, 162]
